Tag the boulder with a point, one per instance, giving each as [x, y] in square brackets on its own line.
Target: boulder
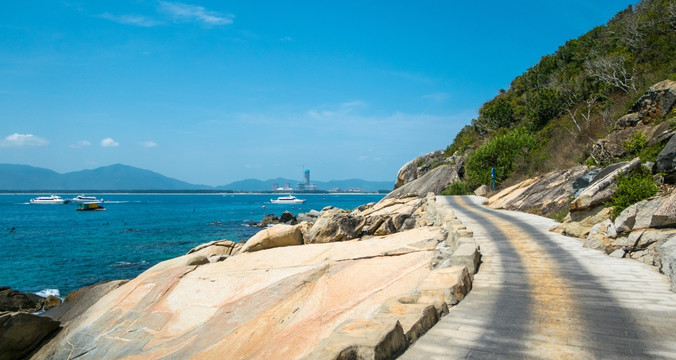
[272, 237]
[601, 235]
[543, 195]
[629, 120]
[335, 225]
[21, 332]
[481, 190]
[434, 181]
[288, 218]
[269, 219]
[51, 301]
[216, 248]
[602, 186]
[580, 223]
[657, 102]
[668, 261]
[666, 159]
[14, 300]
[659, 212]
[417, 167]
[310, 216]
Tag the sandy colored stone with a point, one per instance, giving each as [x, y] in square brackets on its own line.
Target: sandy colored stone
[277, 303]
[276, 236]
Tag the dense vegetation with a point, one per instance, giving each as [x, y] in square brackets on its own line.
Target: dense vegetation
[632, 188]
[551, 114]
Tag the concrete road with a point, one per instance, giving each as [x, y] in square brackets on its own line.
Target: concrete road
[540, 295]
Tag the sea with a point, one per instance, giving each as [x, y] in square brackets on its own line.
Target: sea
[54, 249]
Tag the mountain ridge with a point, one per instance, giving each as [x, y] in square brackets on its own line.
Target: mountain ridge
[119, 177]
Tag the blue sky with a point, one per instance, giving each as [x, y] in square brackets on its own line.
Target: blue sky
[212, 92]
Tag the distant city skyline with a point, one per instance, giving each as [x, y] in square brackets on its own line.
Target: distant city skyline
[209, 92]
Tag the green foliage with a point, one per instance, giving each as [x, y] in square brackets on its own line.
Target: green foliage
[542, 106]
[503, 152]
[638, 185]
[464, 140]
[637, 142]
[495, 114]
[457, 188]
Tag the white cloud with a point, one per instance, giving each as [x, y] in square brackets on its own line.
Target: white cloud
[81, 144]
[149, 144]
[19, 140]
[136, 20]
[109, 142]
[186, 13]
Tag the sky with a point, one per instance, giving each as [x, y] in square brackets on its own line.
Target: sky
[212, 92]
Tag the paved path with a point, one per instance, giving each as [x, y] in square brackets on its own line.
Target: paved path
[540, 295]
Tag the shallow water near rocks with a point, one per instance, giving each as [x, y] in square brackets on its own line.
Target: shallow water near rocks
[54, 249]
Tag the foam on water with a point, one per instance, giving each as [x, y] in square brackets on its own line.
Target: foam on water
[47, 292]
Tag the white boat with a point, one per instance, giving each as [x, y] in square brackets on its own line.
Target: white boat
[287, 200]
[51, 199]
[83, 199]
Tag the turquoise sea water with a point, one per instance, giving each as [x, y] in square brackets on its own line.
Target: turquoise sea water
[54, 248]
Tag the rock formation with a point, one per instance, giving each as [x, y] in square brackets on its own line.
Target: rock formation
[353, 298]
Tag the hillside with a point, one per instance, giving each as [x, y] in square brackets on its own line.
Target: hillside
[551, 116]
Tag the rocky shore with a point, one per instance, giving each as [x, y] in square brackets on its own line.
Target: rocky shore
[363, 283]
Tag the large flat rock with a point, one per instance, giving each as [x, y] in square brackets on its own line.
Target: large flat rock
[275, 304]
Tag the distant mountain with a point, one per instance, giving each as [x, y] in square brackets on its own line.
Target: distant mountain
[124, 177]
[267, 185]
[113, 177]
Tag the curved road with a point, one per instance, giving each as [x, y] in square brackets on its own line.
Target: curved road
[540, 295]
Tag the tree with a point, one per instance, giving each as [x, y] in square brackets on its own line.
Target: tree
[496, 113]
[611, 69]
[542, 105]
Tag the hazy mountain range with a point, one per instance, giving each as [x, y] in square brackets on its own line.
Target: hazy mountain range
[123, 177]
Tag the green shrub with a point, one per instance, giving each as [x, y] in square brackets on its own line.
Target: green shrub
[638, 185]
[634, 145]
[503, 153]
[457, 188]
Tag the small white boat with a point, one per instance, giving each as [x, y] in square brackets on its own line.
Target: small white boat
[287, 200]
[83, 199]
[50, 200]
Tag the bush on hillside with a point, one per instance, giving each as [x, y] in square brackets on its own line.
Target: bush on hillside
[457, 188]
[632, 188]
[503, 153]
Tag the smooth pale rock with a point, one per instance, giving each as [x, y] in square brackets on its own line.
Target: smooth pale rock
[80, 300]
[274, 304]
[645, 211]
[363, 339]
[602, 186]
[580, 223]
[21, 332]
[451, 284]
[543, 194]
[334, 225]
[14, 300]
[668, 261]
[601, 235]
[619, 253]
[216, 248]
[415, 168]
[626, 220]
[276, 236]
[415, 319]
[481, 190]
[467, 254]
[665, 215]
[434, 181]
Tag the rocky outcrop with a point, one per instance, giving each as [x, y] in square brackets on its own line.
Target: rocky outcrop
[21, 332]
[276, 236]
[602, 187]
[215, 251]
[389, 216]
[434, 181]
[543, 195]
[276, 303]
[645, 116]
[368, 298]
[657, 102]
[334, 225]
[14, 300]
[78, 301]
[666, 160]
